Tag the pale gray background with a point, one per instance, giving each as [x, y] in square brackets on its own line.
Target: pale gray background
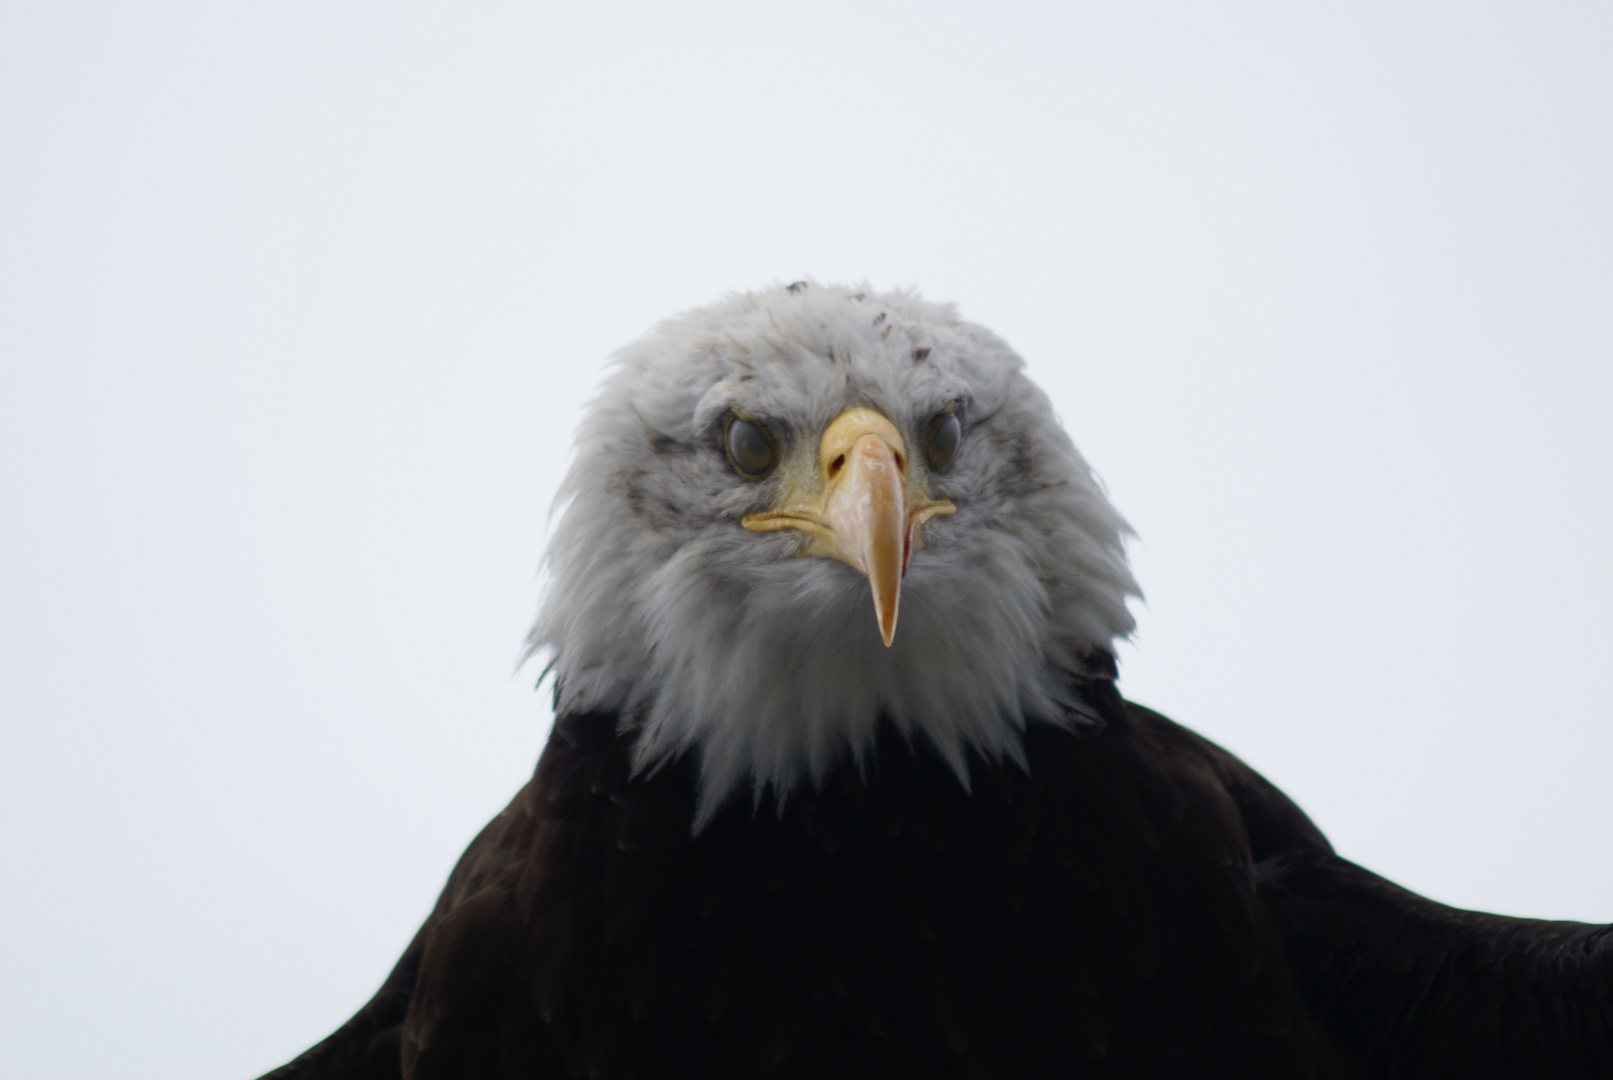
[299, 303]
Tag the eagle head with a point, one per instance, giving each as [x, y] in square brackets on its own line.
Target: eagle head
[763, 486]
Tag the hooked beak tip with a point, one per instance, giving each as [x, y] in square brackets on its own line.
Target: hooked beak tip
[885, 614]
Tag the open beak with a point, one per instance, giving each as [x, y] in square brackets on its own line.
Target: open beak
[865, 508]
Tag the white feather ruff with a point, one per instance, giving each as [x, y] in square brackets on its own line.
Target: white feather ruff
[713, 640]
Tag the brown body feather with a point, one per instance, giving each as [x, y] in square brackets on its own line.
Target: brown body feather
[1137, 904]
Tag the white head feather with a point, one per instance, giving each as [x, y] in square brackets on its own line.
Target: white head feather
[713, 640]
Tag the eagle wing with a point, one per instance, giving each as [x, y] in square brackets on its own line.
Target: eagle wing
[1411, 988]
[369, 1046]
[438, 1008]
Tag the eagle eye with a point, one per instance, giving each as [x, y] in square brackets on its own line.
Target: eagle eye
[750, 448]
[946, 431]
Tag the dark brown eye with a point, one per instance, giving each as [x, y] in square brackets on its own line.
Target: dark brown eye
[750, 448]
[942, 442]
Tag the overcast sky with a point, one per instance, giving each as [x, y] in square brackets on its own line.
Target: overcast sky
[300, 302]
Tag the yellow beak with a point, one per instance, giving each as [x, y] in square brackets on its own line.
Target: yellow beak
[856, 508]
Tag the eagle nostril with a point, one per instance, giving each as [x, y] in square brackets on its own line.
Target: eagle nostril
[837, 464]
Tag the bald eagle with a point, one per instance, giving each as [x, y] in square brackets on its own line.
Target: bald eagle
[840, 783]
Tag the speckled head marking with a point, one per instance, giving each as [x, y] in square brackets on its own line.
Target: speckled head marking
[746, 649]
